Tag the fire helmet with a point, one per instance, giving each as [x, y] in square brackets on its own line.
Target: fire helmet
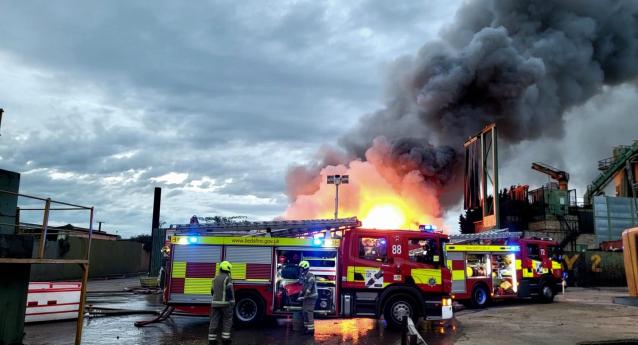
[304, 265]
[225, 266]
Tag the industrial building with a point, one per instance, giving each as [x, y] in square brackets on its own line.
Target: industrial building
[608, 206]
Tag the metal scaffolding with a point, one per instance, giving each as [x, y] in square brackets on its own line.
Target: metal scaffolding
[40, 259]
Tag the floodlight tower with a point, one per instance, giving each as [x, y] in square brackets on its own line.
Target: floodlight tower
[337, 180]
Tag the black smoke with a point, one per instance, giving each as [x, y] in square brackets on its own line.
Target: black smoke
[518, 63]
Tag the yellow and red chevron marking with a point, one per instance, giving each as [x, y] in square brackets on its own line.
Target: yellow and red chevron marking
[197, 277]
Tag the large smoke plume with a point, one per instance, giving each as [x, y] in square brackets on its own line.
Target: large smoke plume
[518, 63]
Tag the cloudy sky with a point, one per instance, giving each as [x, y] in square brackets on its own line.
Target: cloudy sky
[214, 101]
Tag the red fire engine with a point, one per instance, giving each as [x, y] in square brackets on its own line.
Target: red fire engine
[360, 272]
[501, 265]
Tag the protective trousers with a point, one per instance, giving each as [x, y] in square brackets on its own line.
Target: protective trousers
[308, 309]
[226, 316]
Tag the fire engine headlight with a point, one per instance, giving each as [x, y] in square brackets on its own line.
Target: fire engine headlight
[317, 242]
[446, 302]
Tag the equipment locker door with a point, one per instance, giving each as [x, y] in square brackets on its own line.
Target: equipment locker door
[193, 268]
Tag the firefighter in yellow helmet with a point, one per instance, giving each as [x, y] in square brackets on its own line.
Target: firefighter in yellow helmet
[309, 296]
[222, 305]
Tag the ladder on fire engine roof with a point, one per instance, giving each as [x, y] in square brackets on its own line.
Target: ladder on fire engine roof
[278, 228]
[495, 235]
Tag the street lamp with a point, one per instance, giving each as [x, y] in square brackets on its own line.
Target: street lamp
[337, 180]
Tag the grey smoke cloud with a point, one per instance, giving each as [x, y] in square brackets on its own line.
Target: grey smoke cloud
[520, 64]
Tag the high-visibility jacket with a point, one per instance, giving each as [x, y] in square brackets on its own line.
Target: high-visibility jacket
[309, 285]
[222, 290]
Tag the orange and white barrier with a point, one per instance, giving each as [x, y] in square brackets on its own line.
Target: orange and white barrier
[50, 301]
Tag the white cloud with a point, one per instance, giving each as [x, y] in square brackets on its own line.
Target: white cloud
[171, 178]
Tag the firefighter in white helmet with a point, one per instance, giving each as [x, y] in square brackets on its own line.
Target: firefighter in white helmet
[222, 305]
[309, 296]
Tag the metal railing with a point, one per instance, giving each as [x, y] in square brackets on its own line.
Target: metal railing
[41, 259]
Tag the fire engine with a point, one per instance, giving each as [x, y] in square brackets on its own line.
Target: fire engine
[360, 272]
[501, 265]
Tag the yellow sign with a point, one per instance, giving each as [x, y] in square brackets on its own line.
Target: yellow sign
[255, 241]
[426, 276]
[480, 248]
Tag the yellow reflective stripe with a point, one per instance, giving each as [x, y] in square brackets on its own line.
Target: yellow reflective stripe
[423, 275]
[449, 264]
[480, 248]
[179, 269]
[556, 265]
[528, 273]
[519, 264]
[197, 286]
[350, 277]
[238, 272]
[253, 241]
[458, 275]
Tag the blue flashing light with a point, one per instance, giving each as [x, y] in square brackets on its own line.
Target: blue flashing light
[382, 241]
[516, 248]
[427, 227]
[192, 239]
[317, 242]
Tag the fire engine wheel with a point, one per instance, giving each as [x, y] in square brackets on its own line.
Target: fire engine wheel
[546, 294]
[248, 309]
[480, 297]
[396, 307]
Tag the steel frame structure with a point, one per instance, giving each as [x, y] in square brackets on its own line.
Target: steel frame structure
[40, 259]
[487, 139]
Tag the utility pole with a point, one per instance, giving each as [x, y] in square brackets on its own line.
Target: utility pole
[337, 180]
[1, 112]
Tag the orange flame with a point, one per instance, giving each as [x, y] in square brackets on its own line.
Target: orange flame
[378, 194]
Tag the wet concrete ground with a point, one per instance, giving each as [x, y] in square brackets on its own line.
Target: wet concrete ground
[580, 315]
[193, 330]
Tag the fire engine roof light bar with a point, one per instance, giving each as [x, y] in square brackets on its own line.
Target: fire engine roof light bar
[427, 227]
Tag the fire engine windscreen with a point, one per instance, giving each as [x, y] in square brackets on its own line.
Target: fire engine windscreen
[518, 63]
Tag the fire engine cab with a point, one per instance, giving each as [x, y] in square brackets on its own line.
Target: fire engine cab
[360, 272]
[500, 265]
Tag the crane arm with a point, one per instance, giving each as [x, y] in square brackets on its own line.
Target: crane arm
[554, 173]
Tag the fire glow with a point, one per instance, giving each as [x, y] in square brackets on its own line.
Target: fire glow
[380, 194]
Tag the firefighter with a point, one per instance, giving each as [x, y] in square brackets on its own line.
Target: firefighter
[222, 305]
[309, 296]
